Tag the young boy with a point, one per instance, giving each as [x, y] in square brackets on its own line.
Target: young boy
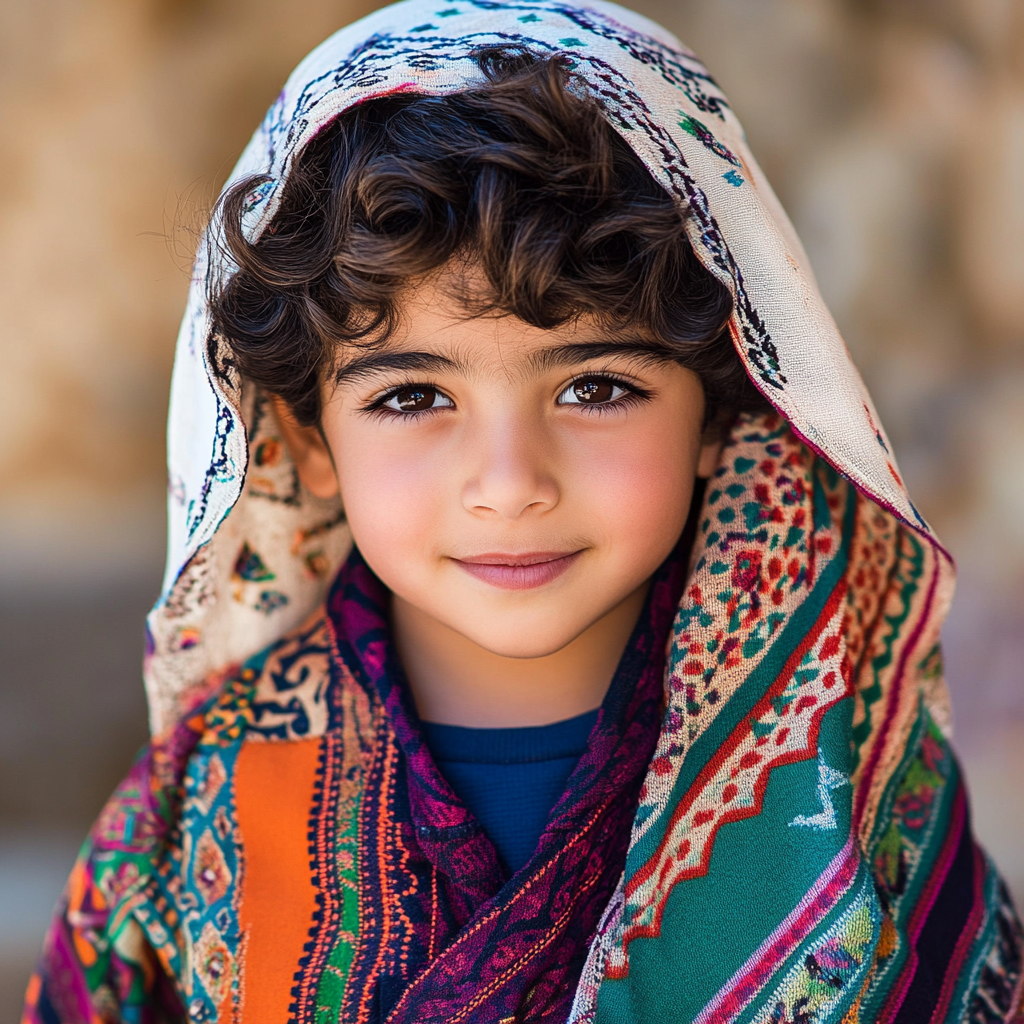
[626, 703]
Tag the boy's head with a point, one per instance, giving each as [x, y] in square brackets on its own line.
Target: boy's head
[482, 320]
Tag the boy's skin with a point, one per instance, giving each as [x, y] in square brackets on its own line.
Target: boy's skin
[502, 465]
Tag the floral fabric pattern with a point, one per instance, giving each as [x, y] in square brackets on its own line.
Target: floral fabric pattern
[720, 856]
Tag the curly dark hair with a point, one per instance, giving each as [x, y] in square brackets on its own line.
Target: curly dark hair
[522, 176]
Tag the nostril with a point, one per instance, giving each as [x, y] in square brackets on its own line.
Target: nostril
[510, 482]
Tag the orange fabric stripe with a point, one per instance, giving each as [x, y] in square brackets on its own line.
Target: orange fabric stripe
[274, 785]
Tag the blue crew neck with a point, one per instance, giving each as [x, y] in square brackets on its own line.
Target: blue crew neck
[510, 779]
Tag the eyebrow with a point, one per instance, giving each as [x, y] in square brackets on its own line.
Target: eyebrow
[375, 362]
[378, 362]
[580, 352]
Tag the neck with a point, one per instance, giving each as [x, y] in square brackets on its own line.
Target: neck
[455, 681]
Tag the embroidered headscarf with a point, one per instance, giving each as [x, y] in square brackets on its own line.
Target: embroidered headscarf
[250, 554]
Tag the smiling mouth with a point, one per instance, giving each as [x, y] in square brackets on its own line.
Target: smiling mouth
[518, 572]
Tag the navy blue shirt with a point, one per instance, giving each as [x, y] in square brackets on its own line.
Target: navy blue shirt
[510, 778]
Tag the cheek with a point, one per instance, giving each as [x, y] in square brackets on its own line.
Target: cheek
[639, 487]
[392, 496]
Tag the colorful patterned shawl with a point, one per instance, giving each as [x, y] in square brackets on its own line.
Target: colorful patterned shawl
[801, 851]
[792, 846]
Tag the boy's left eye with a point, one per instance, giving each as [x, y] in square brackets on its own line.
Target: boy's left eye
[592, 391]
[416, 398]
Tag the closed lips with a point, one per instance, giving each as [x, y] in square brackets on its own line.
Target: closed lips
[518, 572]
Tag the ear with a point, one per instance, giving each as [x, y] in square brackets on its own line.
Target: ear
[710, 452]
[308, 450]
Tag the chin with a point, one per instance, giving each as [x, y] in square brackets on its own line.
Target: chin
[525, 640]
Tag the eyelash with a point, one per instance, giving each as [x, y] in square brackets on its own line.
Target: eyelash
[634, 395]
[376, 406]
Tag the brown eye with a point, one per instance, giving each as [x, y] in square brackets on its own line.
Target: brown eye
[416, 398]
[591, 391]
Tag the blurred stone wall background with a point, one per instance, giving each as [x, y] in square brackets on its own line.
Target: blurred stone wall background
[893, 131]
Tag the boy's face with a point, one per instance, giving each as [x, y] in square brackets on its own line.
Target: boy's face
[513, 483]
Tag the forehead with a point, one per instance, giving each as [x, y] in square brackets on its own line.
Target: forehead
[438, 330]
[455, 307]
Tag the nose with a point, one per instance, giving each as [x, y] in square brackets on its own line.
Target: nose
[509, 474]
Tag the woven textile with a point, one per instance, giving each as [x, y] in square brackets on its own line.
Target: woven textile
[800, 849]
[770, 828]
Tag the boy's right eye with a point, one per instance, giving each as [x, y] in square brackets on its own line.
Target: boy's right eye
[416, 398]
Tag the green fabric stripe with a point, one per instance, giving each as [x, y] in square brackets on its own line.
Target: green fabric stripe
[742, 702]
[883, 813]
[859, 892]
[761, 868]
[331, 988]
[910, 570]
[924, 853]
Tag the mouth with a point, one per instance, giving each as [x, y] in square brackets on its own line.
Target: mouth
[518, 571]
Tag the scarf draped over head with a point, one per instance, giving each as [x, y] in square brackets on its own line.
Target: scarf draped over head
[250, 553]
[800, 849]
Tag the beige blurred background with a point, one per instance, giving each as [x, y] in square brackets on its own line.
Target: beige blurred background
[893, 131]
